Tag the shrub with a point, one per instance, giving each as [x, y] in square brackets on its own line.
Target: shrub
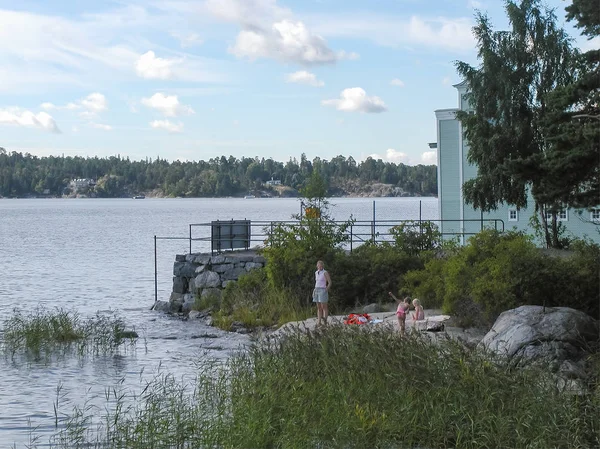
[415, 237]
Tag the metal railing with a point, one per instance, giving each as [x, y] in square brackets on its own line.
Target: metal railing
[358, 233]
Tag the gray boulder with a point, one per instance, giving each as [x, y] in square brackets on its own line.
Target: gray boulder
[161, 306]
[372, 308]
[207, 279]
[557, 337]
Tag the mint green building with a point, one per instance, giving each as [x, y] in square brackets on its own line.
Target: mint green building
[459, 218]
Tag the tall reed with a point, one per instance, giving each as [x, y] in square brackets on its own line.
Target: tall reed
[348, 387]
[44, 332]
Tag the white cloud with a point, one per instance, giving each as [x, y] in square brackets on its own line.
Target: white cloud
[188, 40]
[429, 158]
[453, 34]
[50, 106]
[350, 56]
[397, 82]
[102, 126]
[304, 77]
[95, 102]
[285, 41]
[248, 13]
[168, 105]
[41, 52]
[355, 99]
[18, 117]
[446, 81]
[392, 155]
[149, 66]
[167, 125]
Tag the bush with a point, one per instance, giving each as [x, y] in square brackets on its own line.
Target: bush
[414, 237]
[368, 273]
[254, 302]
[495, 272]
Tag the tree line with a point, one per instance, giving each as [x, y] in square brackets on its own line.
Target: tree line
[116, 176]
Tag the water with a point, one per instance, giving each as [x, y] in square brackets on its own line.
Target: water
[98, 255]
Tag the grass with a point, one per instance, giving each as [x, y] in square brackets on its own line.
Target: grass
[344, 387]
[44, 332]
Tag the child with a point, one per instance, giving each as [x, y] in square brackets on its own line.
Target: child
[401, 312]
[419, 314]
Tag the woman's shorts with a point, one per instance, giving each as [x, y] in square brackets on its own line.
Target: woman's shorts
[320, 295]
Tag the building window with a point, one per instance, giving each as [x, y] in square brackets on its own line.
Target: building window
[561, 215]
[595, 215]
[513, 215]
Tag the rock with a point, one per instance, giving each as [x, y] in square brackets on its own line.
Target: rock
[208, 279]
[176, 297]
[233, 274]
[184, 269]
[222, 268]
[517, 329]
[557, 338]
[202, 259]
[188, 302]
[161, 306]
[248, 266]
[216, 260]
[372, 308]
[180, 284]
[200, 269]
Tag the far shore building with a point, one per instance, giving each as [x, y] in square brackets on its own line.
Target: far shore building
[460, 218]
[273, 182]
[81, 184]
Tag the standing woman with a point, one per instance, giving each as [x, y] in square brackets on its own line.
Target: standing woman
[321, 292]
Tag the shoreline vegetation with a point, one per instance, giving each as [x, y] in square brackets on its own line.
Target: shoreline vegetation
[341, 387]
[42, 333]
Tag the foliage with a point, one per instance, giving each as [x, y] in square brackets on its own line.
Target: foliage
[414, 237]
[572, 123]
[254, 302]
[496, 272]
[293, 249]
[24, 175]
[508, 96]
[43, 332]
[344, 387]
[368, 273]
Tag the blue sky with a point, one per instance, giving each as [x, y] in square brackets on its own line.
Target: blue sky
[197, 79]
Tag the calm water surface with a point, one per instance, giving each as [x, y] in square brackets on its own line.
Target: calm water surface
[98, 255]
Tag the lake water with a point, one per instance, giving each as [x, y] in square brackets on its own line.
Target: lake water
[90, 255]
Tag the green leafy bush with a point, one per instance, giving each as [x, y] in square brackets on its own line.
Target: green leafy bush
[415, 237]
[495, 272]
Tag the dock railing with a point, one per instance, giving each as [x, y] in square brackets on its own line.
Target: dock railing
[256, 233]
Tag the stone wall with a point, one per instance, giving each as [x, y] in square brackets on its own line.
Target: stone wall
[205, 275]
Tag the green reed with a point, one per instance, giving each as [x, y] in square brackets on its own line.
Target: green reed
[44, 332]
[347, 387]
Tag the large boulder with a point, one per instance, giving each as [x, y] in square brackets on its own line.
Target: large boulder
[207, 279]
[558, 337]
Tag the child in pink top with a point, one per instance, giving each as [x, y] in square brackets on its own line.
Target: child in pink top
[401, 312]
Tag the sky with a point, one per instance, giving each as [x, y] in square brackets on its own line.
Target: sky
[197, 79]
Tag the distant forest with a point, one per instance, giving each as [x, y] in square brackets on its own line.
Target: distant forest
[24, 175]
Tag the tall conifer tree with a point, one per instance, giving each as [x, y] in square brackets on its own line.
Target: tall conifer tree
[507, 93]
